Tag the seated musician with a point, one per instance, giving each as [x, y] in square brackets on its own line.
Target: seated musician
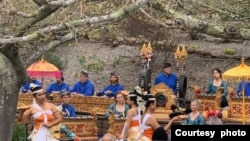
[218, 82]
[84, 87]
[58, 86]
[246, 88]
[113, 88]
[195, 117]
[67, 109]
[167, 77]
[119, 108]
[32, 80]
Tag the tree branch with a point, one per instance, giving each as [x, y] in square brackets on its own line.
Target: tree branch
[40, 2]
[62, 3]
[51, 45]
[213, 29]
[113, 16]
[15, 12]
[157, 21]
[43, 12]
[230, 14]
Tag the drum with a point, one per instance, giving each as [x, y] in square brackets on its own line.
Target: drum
[161, 99]
[66, 139]
[182, 86]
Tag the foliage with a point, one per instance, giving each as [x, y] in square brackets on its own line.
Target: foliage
[82, 61]
[97, 66]
[93, 56]
[194, 34]
[109, 33]
[194, 46]
[229, 51]
[92, 63]
[56, 60]
[117, 61]
[19, 133]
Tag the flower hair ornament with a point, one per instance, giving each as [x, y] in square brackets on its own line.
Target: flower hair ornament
[36, 88]
[32, 86]
[197, 90]
[139, 98]
[138, 90]
[211, 113]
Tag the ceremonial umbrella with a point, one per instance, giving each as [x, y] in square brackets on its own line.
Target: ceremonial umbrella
[42, 69]
[239, 74]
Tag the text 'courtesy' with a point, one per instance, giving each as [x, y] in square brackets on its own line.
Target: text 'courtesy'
[210, 132]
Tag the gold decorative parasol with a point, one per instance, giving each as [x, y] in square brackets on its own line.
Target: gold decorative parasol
[240, 73]
[43, 69]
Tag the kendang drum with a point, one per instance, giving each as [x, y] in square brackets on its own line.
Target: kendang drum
[66, 139]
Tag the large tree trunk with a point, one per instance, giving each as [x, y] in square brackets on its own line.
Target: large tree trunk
[12, 76]
[8, 100]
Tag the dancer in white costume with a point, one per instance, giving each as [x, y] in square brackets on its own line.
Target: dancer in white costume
[44, 115]
[148, 122]
[131, 130]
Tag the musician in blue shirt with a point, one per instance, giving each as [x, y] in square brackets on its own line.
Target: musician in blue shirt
[67, 109]
[113, 88]
[26, 87]
[84, 87]
[58, 86]
[167, 77]
[246, 89]
[216, 83]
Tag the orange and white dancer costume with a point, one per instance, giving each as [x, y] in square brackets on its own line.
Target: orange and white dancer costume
[134, 131]
[40, 132]
[147, 131]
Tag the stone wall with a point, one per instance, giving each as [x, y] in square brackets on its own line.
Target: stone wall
[125, 60]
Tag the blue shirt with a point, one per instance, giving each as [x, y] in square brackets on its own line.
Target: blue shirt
[86, 88]
[26, 87]
[114, 88]
[170, 80]
[246, 86]
[57, 87]
[69, 110]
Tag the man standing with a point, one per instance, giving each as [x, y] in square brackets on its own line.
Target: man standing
[167, 77]
[84, 87]
[113, 88]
